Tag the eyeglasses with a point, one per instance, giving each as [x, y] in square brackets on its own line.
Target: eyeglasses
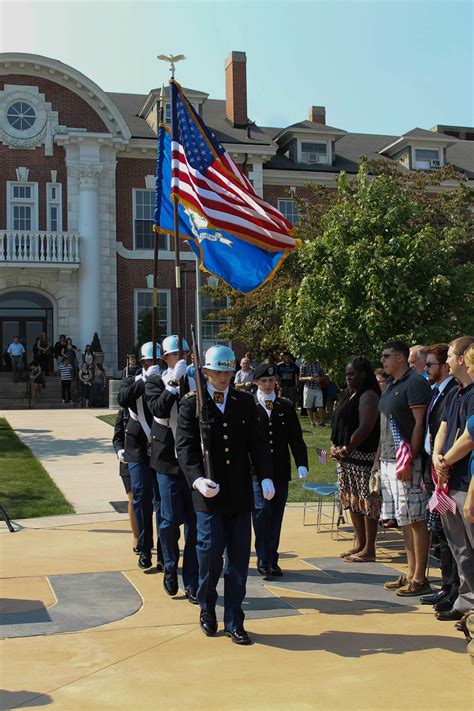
[428, 365]
[384, 356]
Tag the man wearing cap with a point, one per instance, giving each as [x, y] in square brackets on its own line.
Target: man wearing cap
[278, 416]
[224, 502]
[137, 453]
[161, 396]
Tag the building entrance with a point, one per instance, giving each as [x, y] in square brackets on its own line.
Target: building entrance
[24, 314]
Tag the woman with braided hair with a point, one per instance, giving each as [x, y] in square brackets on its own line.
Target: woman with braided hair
[355, 438]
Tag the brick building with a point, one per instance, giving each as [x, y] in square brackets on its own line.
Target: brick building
[77, 192]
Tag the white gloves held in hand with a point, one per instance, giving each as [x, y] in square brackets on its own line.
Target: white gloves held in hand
[302, 472]
[268, 489]
[179, 370]
[152, 370]
[121, 456]
[206, 487]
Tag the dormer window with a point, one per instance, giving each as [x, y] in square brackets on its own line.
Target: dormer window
[314, 152]
[426, 159]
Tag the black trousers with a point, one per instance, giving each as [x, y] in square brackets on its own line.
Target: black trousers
[66, 390]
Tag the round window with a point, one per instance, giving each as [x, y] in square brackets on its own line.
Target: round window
[21, 116]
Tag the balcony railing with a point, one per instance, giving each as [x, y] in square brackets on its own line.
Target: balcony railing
[39, 248]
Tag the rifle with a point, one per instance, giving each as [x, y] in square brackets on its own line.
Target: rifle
[202, 410]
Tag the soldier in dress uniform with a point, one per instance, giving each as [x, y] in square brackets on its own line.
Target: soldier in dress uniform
[278, 416]
[137, 454]
[161, 396]
[223, 504]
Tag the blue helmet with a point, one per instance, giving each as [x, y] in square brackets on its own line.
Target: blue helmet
[220, 358]
[170, 345]
[146, 351]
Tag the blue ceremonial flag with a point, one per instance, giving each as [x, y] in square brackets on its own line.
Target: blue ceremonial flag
[236, 235]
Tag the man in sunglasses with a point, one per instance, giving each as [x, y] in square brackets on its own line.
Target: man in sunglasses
[402, 407]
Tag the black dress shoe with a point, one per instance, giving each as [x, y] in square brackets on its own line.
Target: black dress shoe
[135, 550]
[160, 566]
[444, 605]
[191, 595]
[434, 598]
[144, 560]
[170, 582]
[208, 623]
[239, 636]
[449, 615]
[276, 571]
[263, 568]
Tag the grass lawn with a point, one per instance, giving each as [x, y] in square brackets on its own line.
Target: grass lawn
[318, 437]
[26, 489]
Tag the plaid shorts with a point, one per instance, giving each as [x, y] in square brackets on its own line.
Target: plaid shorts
[404, 501]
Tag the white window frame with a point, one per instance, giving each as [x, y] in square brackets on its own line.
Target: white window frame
[54, 202]
[12, 201]
[207, 342]
[134, 206]
[284, 199]
[426, 148]
[328, 159]
[135, 308]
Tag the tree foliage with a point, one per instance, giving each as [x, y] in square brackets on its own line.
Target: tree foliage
[389, 259]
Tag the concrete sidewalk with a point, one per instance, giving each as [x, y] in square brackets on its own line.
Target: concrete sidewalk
[86, 629]
[76, 450]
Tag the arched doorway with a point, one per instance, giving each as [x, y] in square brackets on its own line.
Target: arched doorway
[25, 314]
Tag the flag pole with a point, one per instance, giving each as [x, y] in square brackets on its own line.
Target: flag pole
[154, 311]
[177, 266]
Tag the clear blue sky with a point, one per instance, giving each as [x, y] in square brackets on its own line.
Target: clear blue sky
[378, 67]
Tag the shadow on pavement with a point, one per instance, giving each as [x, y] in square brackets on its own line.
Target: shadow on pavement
[12, 699]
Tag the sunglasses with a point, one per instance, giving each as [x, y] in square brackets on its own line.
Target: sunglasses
[384, 356]
[429, 365]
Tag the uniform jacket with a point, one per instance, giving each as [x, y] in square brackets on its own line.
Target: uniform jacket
[238, 443]
[118, 440]
[136, 441]
[284, 433]
[160, 402]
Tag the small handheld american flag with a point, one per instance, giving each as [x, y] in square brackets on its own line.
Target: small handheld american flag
[322, 456]
[440, 501]
[404, 453]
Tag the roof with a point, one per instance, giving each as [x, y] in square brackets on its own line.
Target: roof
[349, 148]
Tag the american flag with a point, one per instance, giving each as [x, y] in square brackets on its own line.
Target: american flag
[322, 456]
[404, 453]
[440, 501]
[206, 179]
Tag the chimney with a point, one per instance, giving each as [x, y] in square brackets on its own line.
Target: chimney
[236, 89]
[317, 114]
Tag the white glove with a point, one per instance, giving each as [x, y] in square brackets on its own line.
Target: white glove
[302, 472]
[121, 456]
[179, 370]
[153, 370]
[206, 487]
[268, 489]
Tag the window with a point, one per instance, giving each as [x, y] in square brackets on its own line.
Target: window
[426, 158]
[22, 206]
[288, 209]
[314, 152]
[143, 209]
[21, 116]
[53, 207]
[211, 327]
[143, 307]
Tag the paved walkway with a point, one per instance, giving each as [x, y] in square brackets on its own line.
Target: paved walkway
[87, 630]
[76, 450]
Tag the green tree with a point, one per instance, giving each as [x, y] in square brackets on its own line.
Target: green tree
[389, 259]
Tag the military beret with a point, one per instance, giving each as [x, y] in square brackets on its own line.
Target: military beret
[264, 370]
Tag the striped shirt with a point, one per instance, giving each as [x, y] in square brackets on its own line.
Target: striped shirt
[65, 371]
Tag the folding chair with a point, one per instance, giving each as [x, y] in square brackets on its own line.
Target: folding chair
[323, 492]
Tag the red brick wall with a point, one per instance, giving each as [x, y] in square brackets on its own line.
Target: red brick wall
[130, 174]
[271, 193]
[131, 275]
[73, 111]
[40, 172]
[236, 88]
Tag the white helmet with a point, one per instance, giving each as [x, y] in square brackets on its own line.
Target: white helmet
[171, 345]
[146, 351]
[220, 358]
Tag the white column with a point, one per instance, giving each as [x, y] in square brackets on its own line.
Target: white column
[90, 298]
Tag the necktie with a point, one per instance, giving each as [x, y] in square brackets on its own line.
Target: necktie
[433, 400]
[269, 404]
[218, 398]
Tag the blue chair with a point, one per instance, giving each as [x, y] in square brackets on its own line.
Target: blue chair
[323, 492]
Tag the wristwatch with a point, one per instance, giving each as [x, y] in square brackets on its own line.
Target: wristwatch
[173, 383]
